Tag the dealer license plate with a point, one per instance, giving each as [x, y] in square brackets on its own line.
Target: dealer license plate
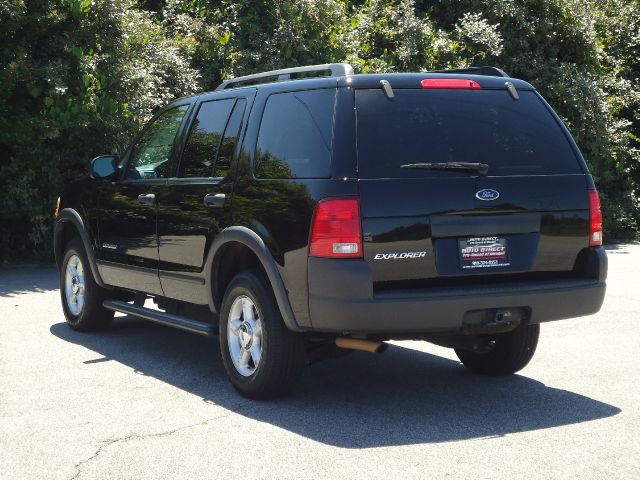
[483, 252]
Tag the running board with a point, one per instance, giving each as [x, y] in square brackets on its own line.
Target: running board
[163, 318]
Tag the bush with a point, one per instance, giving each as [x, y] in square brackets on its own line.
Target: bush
[79, 77]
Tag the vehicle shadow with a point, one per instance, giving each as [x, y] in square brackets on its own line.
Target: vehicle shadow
[18, 279]
[358, 401]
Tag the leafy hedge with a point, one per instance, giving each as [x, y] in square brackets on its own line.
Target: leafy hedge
[79, 77]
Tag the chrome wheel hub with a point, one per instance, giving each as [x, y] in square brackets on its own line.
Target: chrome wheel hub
[74, 285]
[244, 335]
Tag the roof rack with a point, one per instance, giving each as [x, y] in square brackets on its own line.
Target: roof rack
[487, 71]
[325, 70]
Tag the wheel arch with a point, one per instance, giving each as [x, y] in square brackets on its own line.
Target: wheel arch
[225, 249]
[68, 225]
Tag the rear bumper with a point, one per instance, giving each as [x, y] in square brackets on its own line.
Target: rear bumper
[341, 299]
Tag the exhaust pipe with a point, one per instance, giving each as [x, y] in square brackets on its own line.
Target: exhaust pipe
[361, 344]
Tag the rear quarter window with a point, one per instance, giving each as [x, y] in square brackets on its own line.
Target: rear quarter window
[296, 135]
[485, 126]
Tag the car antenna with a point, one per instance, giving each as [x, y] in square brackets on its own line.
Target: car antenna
[386, 88]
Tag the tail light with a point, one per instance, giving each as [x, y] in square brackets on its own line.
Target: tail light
[336, 230]
[450, 83]
[595, 234]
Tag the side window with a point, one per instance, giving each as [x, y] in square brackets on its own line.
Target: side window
[150, 156]
[295, 135]
[204, 139]
[230, 139]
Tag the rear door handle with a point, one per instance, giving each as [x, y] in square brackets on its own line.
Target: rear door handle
[216, 200]
[147, 198]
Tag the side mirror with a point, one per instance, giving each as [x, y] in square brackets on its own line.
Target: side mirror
[103, 167]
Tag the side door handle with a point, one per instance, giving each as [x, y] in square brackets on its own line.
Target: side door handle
[147, 198]
[216, 200]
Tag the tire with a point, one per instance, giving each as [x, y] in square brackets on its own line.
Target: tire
[86, 313]
[263, 359]
[511, 352]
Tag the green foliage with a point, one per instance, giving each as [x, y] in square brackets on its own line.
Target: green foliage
[79, 77]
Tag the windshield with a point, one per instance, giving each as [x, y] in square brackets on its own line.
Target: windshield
[484, 126]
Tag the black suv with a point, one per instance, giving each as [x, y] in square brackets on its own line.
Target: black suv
[306, 209]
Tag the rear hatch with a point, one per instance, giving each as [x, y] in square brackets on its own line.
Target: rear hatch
[526, 218]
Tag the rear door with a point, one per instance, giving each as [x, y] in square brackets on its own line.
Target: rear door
[528, 215]
[194, 204]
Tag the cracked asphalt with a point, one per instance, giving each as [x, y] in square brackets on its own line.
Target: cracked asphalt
[142, 401]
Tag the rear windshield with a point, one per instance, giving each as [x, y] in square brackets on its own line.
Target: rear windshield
[432, 126]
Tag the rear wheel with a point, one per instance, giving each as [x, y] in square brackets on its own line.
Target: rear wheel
[261, 356]
[508, 353]
[81, 296]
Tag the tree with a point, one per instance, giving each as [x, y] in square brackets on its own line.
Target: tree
[79, 77]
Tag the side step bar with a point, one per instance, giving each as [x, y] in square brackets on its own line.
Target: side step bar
[163, 318]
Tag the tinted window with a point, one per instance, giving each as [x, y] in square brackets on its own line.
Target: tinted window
[512, 137]
[230, 139]
[150, 156]
[204, 139]
[295, 135]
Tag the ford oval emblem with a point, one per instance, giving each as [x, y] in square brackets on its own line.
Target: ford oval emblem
[487, 194]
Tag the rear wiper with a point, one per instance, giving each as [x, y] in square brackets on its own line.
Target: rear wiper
[480, 168]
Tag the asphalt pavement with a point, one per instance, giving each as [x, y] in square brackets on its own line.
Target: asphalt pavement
[142, 401]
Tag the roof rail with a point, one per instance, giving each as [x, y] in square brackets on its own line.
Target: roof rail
[487, 71]
[332, 69]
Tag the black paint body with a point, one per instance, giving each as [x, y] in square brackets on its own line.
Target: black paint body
[173, 247]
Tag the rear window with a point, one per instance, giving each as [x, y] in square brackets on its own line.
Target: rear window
[512, 137]
[296, 135]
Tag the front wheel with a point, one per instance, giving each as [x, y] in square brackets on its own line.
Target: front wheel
[261, 356]
[81, 296]
[508, 353]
